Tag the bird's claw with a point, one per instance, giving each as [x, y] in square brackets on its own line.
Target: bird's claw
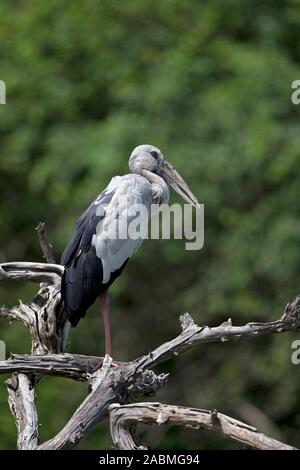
[106, 363]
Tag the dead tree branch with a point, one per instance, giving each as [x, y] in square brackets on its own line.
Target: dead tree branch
[107, 386]
[194, 335]
[124, 420]
[73, 366]
[46, 323]
[109, 382]
[21, 399]
[117, 383]
[46, 247]
[35, 272]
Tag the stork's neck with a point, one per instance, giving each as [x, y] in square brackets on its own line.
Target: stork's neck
[160, 189]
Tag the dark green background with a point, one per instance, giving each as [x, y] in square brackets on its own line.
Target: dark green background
[210, 84]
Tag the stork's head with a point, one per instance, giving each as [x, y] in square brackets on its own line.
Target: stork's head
[147, 158]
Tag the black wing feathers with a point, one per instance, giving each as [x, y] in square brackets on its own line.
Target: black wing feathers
[81, 285]
[83, 275]
[81, 282]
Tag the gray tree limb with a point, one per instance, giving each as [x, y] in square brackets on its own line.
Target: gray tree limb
[107, 385]
[45, 321]
[74, 366]
[191, 336]
[42, 315]
[21, 399]
[35, 272]
[115, 385]
[194, 335]
[124, 420]
[109, 382]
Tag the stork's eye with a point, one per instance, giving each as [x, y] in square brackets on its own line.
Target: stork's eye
[154, 154]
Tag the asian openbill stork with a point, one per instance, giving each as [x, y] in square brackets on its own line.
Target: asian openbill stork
[93, 259]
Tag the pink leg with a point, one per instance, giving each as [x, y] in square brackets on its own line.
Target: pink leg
[105, 313]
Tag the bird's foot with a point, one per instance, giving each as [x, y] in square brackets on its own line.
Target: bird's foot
[106, 363]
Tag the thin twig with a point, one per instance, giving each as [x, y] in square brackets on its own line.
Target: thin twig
[46, 246]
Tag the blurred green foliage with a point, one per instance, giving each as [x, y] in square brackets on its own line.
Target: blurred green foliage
[210, 84]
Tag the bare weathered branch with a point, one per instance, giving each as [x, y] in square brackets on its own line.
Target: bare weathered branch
[12, 313]
[193, 335]
[42, 316]
[119, 384]
[35, 272]
[45, 319]
[108, 385]
[46, 246]
[72, 366]
[114, 382]
[124, 420]
[21, 397]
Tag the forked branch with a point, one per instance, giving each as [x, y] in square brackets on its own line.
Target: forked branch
[110, 382]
